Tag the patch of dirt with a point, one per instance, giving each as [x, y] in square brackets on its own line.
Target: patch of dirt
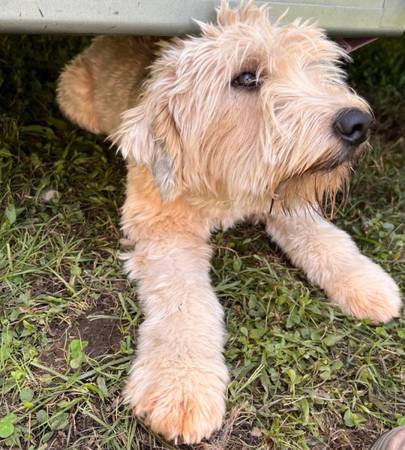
[58, 442]
[352, 439]
[54, 356]
[84, 426]
[103, 335]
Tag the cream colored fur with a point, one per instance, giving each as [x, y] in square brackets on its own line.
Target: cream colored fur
[203, 154]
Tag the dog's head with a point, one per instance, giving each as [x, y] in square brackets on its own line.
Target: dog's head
[248, 111]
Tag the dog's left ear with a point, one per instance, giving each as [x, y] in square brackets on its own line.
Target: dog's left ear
[148, 135]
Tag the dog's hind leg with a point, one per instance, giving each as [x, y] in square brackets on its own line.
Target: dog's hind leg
[178, 380]
[331, 260]
[104, 81]
[76, 96]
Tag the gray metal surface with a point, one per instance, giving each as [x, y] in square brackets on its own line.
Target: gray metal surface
[170, 17]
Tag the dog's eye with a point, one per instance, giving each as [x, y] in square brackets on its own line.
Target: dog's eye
[246, 80]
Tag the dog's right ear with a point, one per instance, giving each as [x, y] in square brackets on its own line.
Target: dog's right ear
[148, 135]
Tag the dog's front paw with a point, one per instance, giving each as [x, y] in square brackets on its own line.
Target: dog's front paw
[180, 403]
[367, 293]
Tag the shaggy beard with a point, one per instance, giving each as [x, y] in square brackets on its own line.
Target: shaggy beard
[324, 187]
[315, 191]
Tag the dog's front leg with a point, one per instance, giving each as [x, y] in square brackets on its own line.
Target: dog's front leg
[332, 261]
[178, 380]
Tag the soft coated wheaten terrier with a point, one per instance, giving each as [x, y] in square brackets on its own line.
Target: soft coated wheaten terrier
[247, 119]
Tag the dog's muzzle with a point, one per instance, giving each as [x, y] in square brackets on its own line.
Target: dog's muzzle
[352, 126]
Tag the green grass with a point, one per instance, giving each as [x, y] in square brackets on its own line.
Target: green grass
[303, 375]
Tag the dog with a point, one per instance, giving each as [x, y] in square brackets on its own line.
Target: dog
[247, 119]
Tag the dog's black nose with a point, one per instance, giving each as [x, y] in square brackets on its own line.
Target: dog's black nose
[352, 125]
